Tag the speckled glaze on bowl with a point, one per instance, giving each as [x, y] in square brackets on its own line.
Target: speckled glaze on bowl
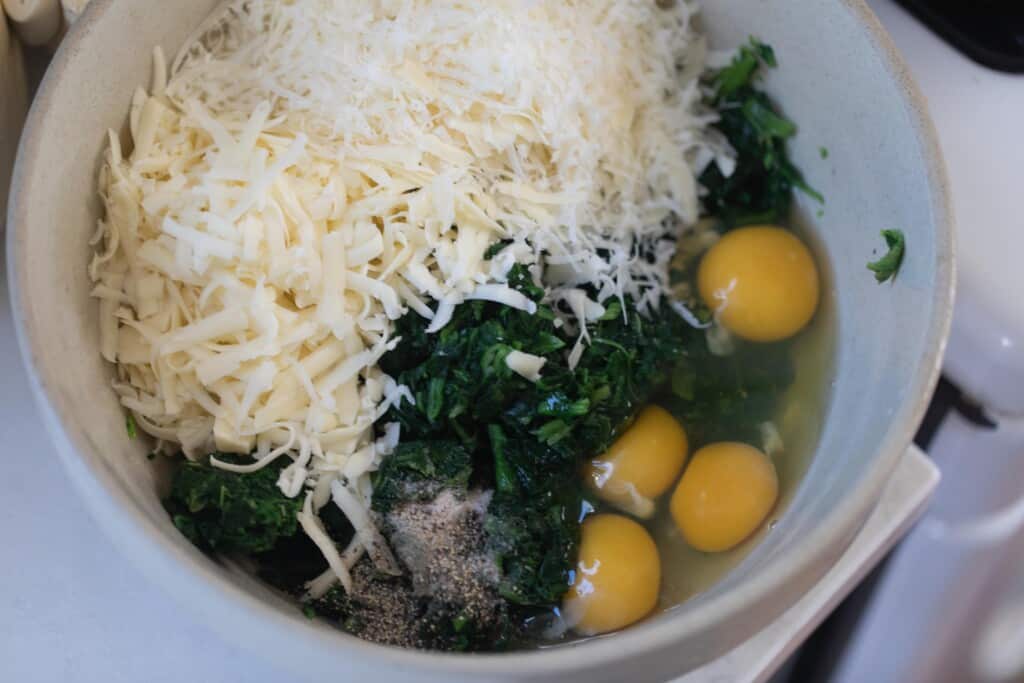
[840, 79]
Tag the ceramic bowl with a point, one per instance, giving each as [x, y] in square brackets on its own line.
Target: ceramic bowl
[841, 79]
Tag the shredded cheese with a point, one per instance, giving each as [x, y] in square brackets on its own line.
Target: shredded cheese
[306, 171]
[526, 365]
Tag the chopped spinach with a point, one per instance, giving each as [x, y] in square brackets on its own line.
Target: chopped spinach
[888, 266]
[130, 427]
[419, 471]
[760, 189]
[527, 439]
[451, 629]
[441, 626]
[496, 249]
[335, 605]
[731, 81]
[535, 542]
[462, 384]
[727, 397]
[227, 512]
[295, 559]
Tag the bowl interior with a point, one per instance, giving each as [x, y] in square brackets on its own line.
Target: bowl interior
[839, 79]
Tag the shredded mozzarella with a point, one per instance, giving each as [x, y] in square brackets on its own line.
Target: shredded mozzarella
[313, 528]
[526, 365]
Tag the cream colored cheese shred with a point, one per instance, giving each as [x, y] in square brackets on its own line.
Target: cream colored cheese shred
[307, 171]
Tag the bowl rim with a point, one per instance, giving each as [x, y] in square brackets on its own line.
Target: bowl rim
[194, 581]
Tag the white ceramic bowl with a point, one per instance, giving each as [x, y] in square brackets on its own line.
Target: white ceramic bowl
[840, 79]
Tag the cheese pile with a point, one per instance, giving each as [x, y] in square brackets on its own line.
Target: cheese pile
[306, 171]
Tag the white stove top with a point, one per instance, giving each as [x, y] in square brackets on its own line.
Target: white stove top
[950, 605]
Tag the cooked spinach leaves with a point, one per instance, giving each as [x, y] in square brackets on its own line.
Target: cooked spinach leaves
[727, 398]
[760, 189]
[227, 512]
[535, 541]
[419, 471]
[528, 438]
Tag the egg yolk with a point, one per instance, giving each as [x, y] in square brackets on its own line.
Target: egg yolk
[617, 578]
[761, 282]
[642, 464]
[725, 494]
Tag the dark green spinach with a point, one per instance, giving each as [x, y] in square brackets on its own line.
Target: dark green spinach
[527, 439]
[227, 512]
[760, 189]
[419, 471]
[727, 398]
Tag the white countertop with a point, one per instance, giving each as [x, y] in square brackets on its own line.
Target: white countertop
[72, 609]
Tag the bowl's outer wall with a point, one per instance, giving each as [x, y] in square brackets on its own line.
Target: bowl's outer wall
[13, 104]
[838, 79]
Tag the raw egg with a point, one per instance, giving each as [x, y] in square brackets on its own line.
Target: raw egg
[724, 496]
[617, 578]
[761, 282]
[642, 464]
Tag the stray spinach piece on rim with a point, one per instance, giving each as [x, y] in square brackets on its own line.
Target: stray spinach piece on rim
[888, 266]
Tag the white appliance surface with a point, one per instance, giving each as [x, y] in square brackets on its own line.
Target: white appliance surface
[72, 609]
[950, 605]
[978, 114]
